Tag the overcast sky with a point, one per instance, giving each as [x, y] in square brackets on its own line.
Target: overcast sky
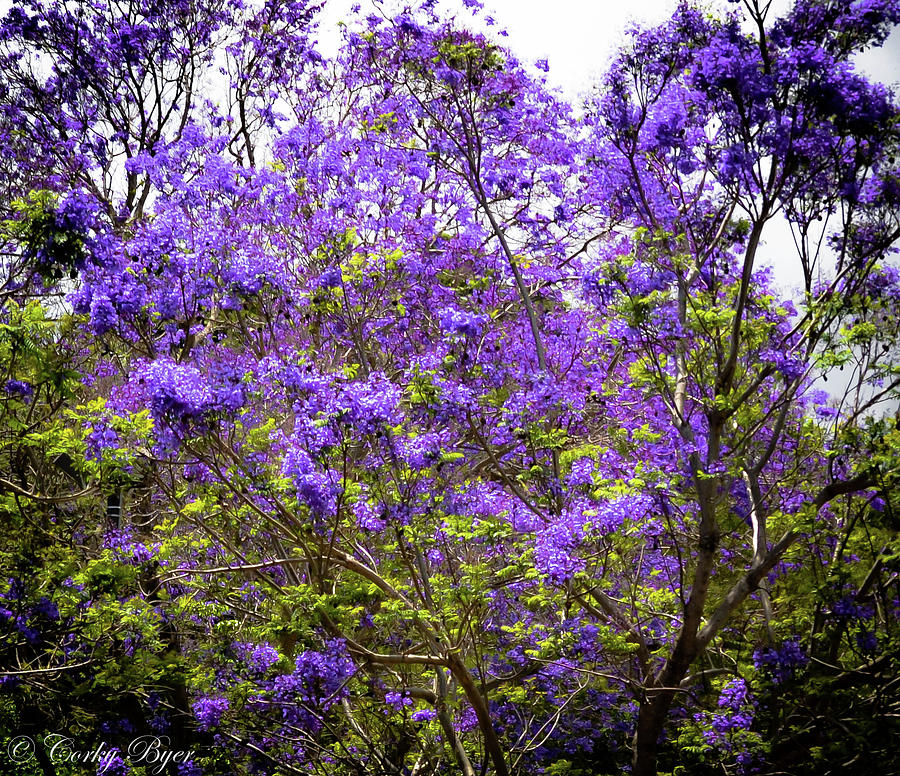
[578, 37]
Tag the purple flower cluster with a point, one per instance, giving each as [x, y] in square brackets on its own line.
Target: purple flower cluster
[27, 620]
[262, 658]
[100, 438]
[781, 663]
[18, 388]
[209, 711]
[368, 517]
[314, 487]
[177, 393]
[369, 405]
[847, 608]
[129, 550]
[114, 766]
[189, 768]
[330, 278]
[103, 314]
[581, 473]
[318, 681]
[420, 451]
[598, 289]
[78, 212]
[734, 695]
[459, 322]
[555, 549]
[788, 365]
[397, 700]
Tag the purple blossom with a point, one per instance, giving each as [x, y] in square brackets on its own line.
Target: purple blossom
[734, 695]
[462, 323]
[103, 315]
[846, 608]
[732, 163]
[791, 366]
[314, 487]
[317, 683]
[15, 590]
[421, 451]
[114, 766]
[330, 278]
[555, 550]
[176, 392]
[371, 404]
[18, 388]
[263, 657]
[46, 609]
[368, 517]
[866, 641]
[101, 437]
[781, 663]
[128, 550]
[397, 700]
[209, 711]
[581, 473]
[77, 212]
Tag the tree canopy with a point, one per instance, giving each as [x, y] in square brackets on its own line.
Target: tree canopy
[384, 414]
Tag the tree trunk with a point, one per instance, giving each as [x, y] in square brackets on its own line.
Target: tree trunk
[651, 721]
[655, 704]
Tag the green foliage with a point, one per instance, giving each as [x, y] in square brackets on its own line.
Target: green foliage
[55, 251]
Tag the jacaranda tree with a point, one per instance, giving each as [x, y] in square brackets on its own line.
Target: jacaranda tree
[384, 414]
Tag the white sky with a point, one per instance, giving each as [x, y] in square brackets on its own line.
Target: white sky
[578, 37]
